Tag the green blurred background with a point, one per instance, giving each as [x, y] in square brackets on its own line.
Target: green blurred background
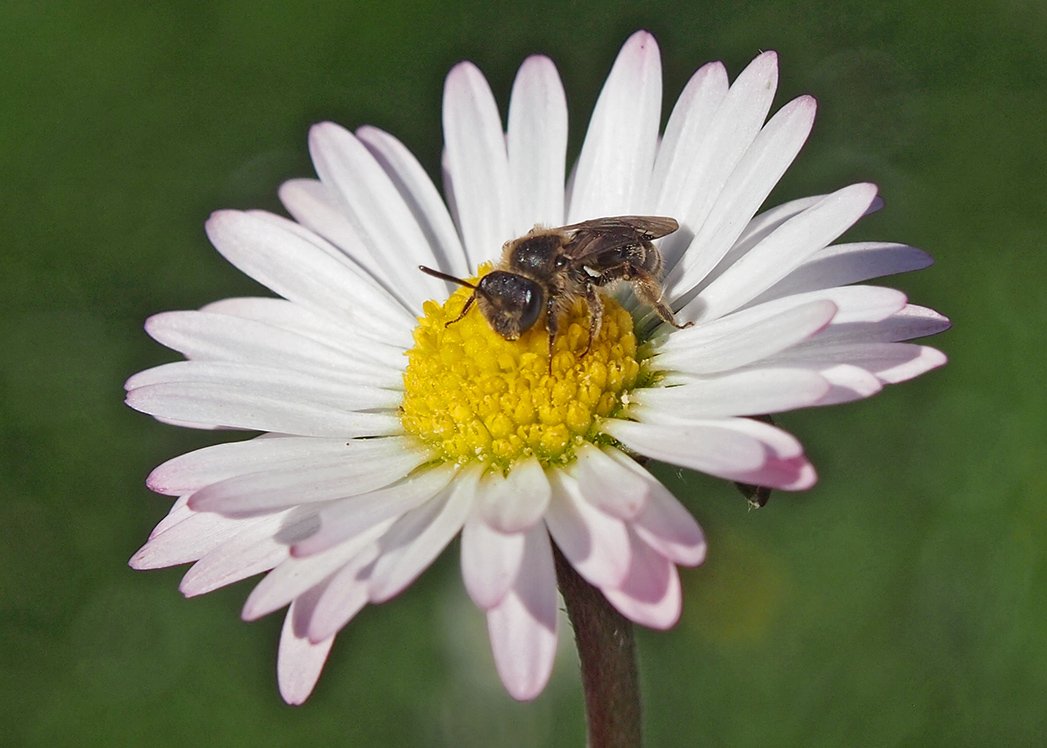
[900, 602]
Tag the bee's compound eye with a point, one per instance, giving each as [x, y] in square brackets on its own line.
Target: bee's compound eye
[532, 307]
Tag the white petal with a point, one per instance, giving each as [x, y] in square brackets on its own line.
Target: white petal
[516, 502]
[614, 167]
[276, 410]
[178, 512]
[303, 273]
[522, 628]
[848, 383]
[322, 328]
[317, 387]
[738, 449]
[607, 485]
[299, 661]
[787, 247]
[346, 519]
[194, 470]
[418, 537]
[744, 192]
[722, 144]
[294, 576]
[650, 593]
[202, 336]
[910, 322]
[742, 338]
[711, 447]
[594, 542]
[318, 207]
[260, 546]
[490, 561]
[196, 535]
[676, 168]
[376, 211]
[476, 163]
[367, 465]
[421, 197]
[344, 595]
[760, 227]
[853, 303]
[890, 362]
[537, 145]
[843, 264]
[744, 393]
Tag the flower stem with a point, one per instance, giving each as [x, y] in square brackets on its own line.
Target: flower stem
[607, 653]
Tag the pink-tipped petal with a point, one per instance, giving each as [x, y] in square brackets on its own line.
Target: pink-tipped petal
[188, 540]
[517, 501]
[848, 383]
[663, 523]
[258, 547]
[523, 626]
[299, 661]
[295, 576]
[650, 594]
[418, 537]
[713, 447]
[346, 519]
[606, 484]
[738, 449]
[594, 542]
[490, 561]
[344, 595]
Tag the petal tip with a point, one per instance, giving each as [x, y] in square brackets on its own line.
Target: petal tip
[460, 74]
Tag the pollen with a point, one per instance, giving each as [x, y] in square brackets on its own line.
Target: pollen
[473, 396]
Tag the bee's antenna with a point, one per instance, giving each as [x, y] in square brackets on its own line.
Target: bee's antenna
[446, 277]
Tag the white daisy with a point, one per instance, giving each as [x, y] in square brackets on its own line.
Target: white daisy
[386, 433]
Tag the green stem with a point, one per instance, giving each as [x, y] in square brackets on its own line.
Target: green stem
[607, 653]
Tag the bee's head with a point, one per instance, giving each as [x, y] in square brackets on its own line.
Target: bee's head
[511, 303]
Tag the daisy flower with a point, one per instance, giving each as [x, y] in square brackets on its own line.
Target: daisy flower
[387, 432]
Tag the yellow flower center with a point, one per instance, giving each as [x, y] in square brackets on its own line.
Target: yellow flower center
[472, 395]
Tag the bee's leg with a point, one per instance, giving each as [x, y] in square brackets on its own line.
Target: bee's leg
[465, 310]
[552, 324]
[595, 304]
[649, 292]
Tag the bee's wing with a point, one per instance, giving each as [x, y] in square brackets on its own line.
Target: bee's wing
[601, 234]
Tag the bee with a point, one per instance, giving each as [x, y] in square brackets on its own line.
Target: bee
[548, 268]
